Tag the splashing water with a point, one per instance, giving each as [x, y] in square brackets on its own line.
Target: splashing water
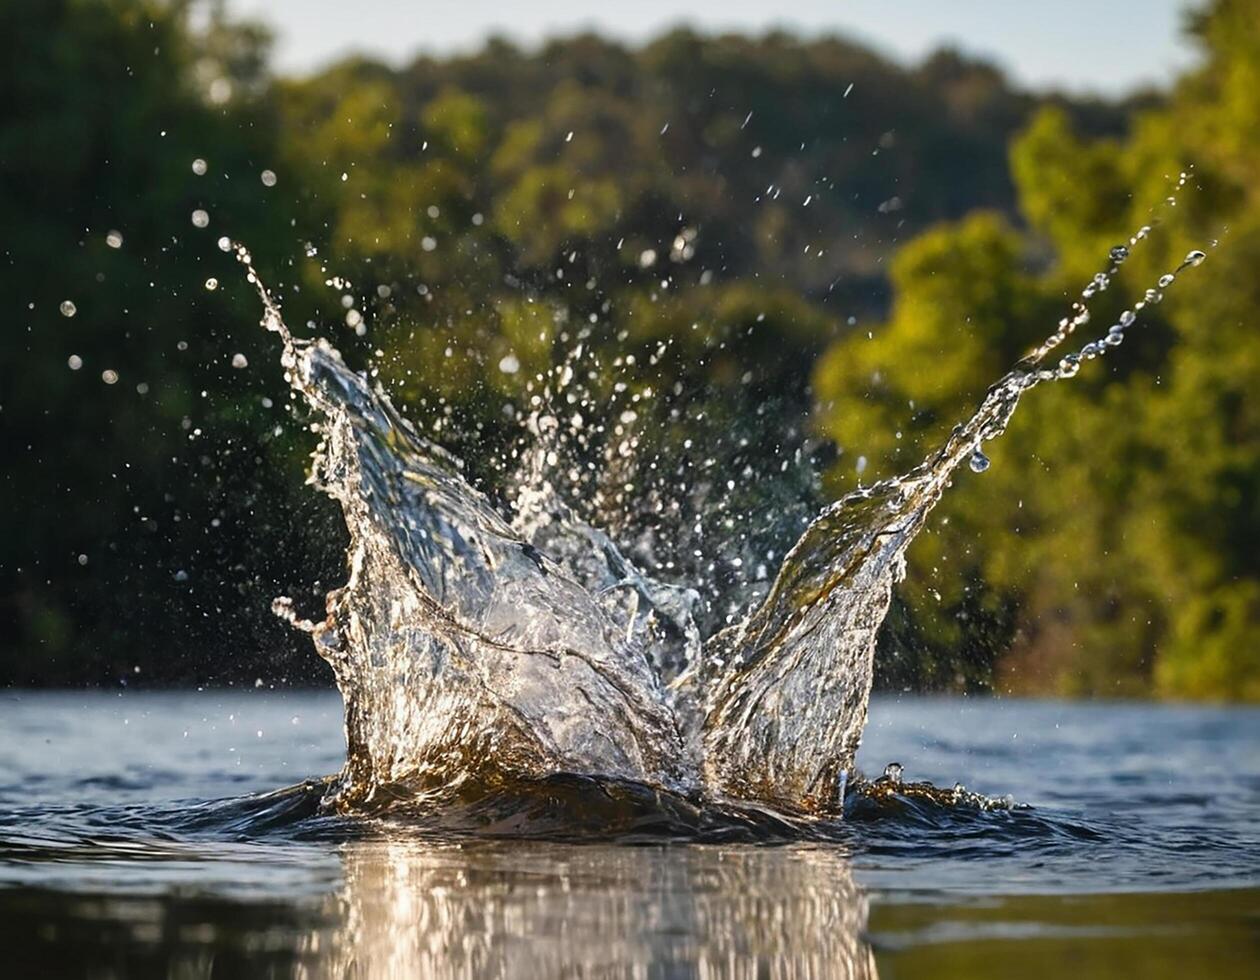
[478, 655]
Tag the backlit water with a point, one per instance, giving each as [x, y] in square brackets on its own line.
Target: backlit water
[141, 835]
[523, 672]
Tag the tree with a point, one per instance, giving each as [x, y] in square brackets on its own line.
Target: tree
[1111, 542]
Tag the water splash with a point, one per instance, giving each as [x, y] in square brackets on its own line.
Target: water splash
[478, 655]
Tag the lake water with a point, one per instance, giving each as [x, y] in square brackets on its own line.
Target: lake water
[135, 840]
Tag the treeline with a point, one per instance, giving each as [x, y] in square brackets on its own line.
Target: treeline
[1111, 549]
[775, 251]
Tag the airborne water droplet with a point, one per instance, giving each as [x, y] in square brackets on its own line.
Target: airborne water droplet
[1195, 257]
[979, 462]
[68, 308]
[268, 177]
[212, 284]
[1119, 253]
[893, 771]
[200, 218]
[199, 167]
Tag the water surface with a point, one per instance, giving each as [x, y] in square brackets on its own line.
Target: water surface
[141, 834]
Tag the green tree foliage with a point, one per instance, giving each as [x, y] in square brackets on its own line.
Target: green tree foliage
[714, 220]
[1111, 548]
[139, 476]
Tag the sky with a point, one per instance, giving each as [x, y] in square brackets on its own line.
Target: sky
[1079, 45]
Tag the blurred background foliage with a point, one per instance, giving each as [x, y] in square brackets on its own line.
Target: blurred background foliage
[837, 252]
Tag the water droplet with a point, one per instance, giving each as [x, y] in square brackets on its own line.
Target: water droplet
[68, 308]
[181, 576]
[212, 284]
[1165, 280]
[268, 177]
[109, 376]
[979, 462]
[199, 167]
[114, 239]
[74, 362]
[1069, 366]
[1119, 253]
[509, 364]
[1127, 318]
[200, 218]
[893, 771]
[1195, 257]
[239, 361]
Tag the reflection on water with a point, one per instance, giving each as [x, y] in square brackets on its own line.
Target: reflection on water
[406, 908]
[503, 910]
[1046, 937]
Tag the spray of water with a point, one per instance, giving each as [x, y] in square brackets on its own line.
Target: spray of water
[477, 653]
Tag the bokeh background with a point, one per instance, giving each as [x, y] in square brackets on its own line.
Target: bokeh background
[842, 226]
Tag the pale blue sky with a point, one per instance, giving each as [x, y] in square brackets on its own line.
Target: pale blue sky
[1082, 45]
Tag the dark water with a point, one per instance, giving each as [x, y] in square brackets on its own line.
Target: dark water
[142, 835]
